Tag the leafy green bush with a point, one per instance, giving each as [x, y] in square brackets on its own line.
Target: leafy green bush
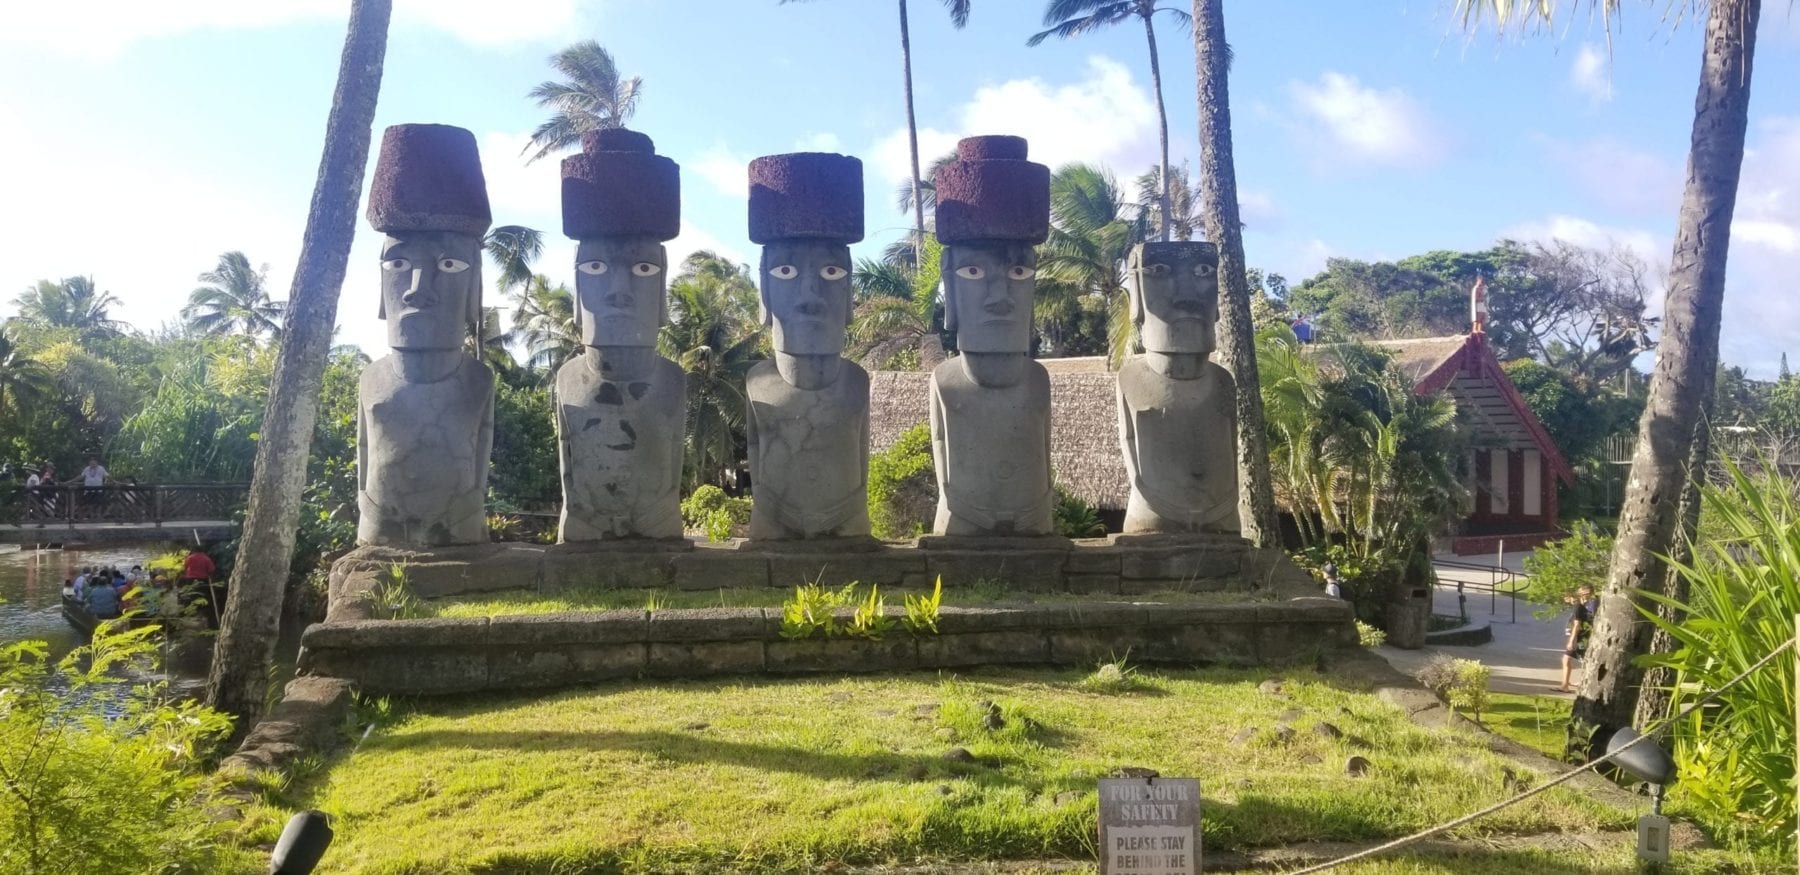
[1366, 581]
[1369, 636]
[717, 514]
[1075, 518]
[922, 611]
[871, 619]
[1562, 566]
[903, 486]
[813, 610]
[1737, 759]
[86, 792]
[1462, 683]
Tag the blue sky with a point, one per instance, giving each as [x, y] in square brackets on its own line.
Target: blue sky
[145, 139]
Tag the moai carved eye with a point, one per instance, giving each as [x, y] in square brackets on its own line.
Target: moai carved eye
[833, 272]
[1205, 270]
[1021, 272]
[1156, 269]
[784, 271]
[646, 268]
[591, 268]
[452, 265]
[396, 265]
[971, 272]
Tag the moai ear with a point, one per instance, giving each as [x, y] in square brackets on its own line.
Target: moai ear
[944, 289]
[381, 304]
[1134, 285]
[476, 317]
[762, 290]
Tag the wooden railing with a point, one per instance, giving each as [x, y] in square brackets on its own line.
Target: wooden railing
[74, 505]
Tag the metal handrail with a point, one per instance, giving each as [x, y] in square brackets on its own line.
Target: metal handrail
[1496, 576]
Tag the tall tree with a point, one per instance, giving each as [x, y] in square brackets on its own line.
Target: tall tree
[75, 303]
[959, 16]
[245, 650]
[1092, 230]
[512, 249]
[22, 379]
[594, 96]
[1184, 217]
[1237, 347]
[233, 301]
[1659, 510]
[544, 322]
[714, 334]
[1071, 18]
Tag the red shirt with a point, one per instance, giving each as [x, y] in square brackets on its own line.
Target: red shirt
[199, 566]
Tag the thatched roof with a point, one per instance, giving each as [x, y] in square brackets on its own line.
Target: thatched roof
[1419, 357]
[1084, 432]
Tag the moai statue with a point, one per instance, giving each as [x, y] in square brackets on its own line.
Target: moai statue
[990, 406]
[620, 408]
[425, 415]
[809, 407]
[1177, 410]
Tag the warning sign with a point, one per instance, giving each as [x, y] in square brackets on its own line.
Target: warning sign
[1149, 826]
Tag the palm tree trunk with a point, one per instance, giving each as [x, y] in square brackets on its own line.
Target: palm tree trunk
[1162, 124]
[1650, 521]
[1256, 494]
[246, 647]
[912, 140]
[1656, 692]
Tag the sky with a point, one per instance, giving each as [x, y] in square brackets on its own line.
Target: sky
[144, 139]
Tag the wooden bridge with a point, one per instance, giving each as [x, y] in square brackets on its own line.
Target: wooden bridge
[74, 514]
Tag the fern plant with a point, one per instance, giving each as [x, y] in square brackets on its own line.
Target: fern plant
[871, 619]
[922, 611]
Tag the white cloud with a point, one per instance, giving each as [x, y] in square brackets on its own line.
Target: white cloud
[1257, 209]
[1591, 74]
[694, 239]
[1105, 117]
[103, 28]
[521, 193]
[724, 170]
[1585, 232]
[1617, 176]
[1775, 235]
[1383, 126]
[819, 141]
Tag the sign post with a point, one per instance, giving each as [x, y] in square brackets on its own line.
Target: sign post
[1149, 826]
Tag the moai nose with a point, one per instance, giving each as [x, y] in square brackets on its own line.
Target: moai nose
[412, 291]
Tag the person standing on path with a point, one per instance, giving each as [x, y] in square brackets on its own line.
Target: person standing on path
[1580, 624]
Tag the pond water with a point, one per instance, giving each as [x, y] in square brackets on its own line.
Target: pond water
[31, 589]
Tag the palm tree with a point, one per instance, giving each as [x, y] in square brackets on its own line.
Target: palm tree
[959, 16]
[715, 335]
[594, 96]
[544, 322]
[1237, 347]
[512, 249]
[1092, 230]
[1661, 508]
[22, 379]
[234, 301]
[1184, 202]
[245, 651]
[74, 303]
[1072, 18]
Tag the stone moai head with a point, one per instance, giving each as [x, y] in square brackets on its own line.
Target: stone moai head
[430, 199]
[993, 208]
[1174, 295]
[806, 208]
[621, 200]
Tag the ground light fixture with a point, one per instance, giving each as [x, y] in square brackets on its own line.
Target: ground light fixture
[303, 843]
[1647, 762]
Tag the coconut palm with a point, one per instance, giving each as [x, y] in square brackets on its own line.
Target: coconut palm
[1237, 335]
[543, 322]
[591, 97]
[233, 301]
[1184, 202]
[715, 335]
[74, 303]
[1072, 18]
[512, 249]
[1658, 517]
[959, 16]
[1092, 230]
[23, 380]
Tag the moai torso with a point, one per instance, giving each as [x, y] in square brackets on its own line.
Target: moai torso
[991, 445]
[620, 445]
[809, 454]
[1180, 441]
[423, 453]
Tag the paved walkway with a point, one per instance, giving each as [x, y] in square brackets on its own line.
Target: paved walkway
[1526, 655]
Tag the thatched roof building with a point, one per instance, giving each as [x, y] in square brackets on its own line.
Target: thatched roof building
[1084, 438]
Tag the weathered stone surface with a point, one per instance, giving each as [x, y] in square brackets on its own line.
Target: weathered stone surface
[704, 658]
[1093, 557]
[888, 567]
[708, 624]
[1225, 644]
[405, 671]
[954, 619]
[809, 546]
[621, 415]
[1030, 570]
[366, 634]
[1196, 563]
[841, 654]
[1097, 584]
[584, 627]
[988, 543]
[565, 665]
[635, 565]
[990, 427]
[998, 647]
[306, 721]
[705, 569]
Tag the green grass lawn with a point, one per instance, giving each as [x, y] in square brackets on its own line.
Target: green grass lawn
[768, 775]
[509, 602]
[1538, 722]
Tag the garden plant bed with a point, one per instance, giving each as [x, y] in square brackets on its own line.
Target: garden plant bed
[935, 770]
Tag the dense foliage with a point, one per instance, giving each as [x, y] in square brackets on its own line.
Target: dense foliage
[903, 486]
[1561, 567]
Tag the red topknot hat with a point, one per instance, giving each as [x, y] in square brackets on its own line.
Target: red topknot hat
[619, 187]
[990, 192]
[806, 196]
[428, 178]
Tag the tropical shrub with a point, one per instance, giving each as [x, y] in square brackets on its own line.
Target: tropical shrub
[1737, 758]
[1562, 566]
[719, 515]
[1369, 636]
[94, 792]
[903, 486]
[1462, 683]
[1075, 518]
[922, 611]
